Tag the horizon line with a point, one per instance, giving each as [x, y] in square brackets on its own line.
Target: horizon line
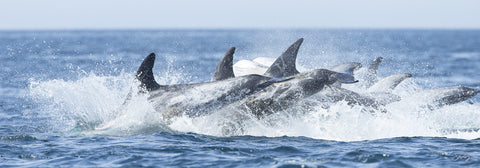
[239, 28]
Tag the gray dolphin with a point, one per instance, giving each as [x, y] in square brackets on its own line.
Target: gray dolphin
[389, 83]
[371, 75]
[378, 93]
[299, 85]
[439, 97]
[347, 68]
[197, 99]
[333, 91]
[378, 96]
[279, 96]
[435, 98]
[372, 83]
[302, 85]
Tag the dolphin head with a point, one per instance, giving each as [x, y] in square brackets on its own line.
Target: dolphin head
[314, 81]
[347, 68]
[328, 77]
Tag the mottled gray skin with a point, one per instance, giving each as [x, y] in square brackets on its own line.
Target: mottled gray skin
[375, 100]
[301, 85]
[371, 75]
[279, 96]
[378, 95]
[448, 95]
[202, 98]
[198, 98]
[284, 65]
[389, 83]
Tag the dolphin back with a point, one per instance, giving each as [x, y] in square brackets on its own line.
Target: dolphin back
[145, 73]
[389, 83]
[453, 95]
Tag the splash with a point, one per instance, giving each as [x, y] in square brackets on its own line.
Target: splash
[95, 105]
[85, 102]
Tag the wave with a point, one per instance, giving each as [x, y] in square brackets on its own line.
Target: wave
[95, 105]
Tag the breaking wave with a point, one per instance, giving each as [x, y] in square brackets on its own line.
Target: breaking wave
[94, 105]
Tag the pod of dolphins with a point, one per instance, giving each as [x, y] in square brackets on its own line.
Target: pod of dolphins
[280, 87]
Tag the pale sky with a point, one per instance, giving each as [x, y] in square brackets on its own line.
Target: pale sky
[211, 14]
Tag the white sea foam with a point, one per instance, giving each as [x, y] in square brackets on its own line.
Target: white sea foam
[94, 105]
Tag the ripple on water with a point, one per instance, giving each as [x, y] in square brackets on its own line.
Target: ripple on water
[21, 138]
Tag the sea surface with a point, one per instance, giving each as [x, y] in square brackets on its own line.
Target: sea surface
[62, 95]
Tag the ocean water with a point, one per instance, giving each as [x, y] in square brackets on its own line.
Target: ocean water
[62, 95]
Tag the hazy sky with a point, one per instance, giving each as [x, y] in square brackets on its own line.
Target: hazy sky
[152, 14]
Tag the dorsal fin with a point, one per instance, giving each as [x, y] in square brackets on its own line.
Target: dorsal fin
[225, 66]
[284, 65]
[389, 83]
[371, 75]
[374, 65]
[145, 74]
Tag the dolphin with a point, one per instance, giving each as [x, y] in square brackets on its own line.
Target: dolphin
[284, 66]
[370, 77]
[434, 98]
[378, 93]
[376, 96]
[279, 96]
[440, 97]
[389, 83]
[347, 68]
[299, 85]
[197, 99]
[332, 91]
[453, 95]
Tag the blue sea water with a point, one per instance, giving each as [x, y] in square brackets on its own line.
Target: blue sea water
[61, 92]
